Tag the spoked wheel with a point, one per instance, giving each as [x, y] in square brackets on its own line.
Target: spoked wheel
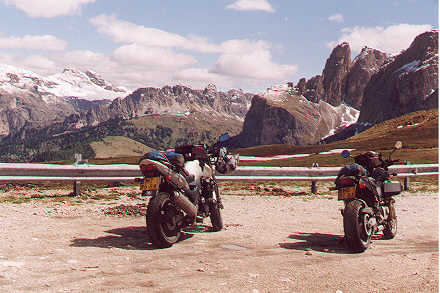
[162, 221]
[358, 227]
[390, 230]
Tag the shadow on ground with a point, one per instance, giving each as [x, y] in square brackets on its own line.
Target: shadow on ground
[328, 243]
[124, 238]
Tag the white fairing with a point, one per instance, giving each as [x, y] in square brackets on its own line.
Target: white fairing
[193, 167]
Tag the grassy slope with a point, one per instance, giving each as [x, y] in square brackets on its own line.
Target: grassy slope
[118, 146]
[200, 129]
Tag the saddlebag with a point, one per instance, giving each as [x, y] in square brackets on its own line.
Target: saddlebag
[192, 152]
[392, 188]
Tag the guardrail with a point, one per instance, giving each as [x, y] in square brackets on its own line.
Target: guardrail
[122, 172]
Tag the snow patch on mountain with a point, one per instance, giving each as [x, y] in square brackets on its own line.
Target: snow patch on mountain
[70, 83]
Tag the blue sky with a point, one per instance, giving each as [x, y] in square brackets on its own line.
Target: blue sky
[248, 44]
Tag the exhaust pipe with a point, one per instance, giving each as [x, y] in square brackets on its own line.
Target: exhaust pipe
[185, 204]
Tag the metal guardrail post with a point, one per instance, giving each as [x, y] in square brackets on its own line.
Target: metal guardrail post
[314, 188]
[406, 180]
[77, 184]
[76, 188]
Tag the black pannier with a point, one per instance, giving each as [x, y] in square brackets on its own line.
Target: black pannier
[192, 152]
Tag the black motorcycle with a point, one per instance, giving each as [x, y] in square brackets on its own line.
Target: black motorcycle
[183, 188]
[367, 192]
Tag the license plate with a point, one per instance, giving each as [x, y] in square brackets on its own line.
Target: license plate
[150, 184]
[347, 192]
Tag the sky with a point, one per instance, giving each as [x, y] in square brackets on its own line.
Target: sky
[241, 44]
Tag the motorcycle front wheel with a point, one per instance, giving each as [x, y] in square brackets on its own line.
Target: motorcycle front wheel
[357, 230]
[215, 213]
[161, 218]
[215, 216]
[390, 230]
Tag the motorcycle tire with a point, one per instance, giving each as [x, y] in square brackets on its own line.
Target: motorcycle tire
[216, 216]
[356, 230]
[390, 229]
[161, 221]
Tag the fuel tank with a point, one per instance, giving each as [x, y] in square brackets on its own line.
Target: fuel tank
[199, 172]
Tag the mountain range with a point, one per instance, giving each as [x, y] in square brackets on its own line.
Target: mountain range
[50, 118]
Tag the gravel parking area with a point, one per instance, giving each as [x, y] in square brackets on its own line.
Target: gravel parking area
[270, 244]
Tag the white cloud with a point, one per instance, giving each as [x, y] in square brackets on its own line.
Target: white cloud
[337, 18]
[256, 65]
[251, 59]
[39, 63]
[158, 50]
[250, 5]
[28, 42]
[48, 8]
[391, 39]
[126, 32]
[153, 57]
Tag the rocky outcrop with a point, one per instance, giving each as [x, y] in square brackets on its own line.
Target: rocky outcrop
[312, 89]
[291, 119]
[335, 71]
[367, 63]
[343, 80]
[409, 83]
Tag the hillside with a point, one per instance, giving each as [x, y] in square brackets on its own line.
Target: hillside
[54, 143]
[118, 146]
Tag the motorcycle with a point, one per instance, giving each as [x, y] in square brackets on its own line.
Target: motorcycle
[183, 188]
[367, 191]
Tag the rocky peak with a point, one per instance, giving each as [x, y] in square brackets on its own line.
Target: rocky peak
[406, 84]
[367, 63]
[335, 70]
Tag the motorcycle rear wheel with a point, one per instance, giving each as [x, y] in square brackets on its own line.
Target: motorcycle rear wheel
[356, 229]
[161, 219]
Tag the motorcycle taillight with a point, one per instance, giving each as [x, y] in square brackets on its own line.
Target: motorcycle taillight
[149, 170]
[346, 182]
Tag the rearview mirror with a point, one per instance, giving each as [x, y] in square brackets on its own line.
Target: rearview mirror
[398, 145]
[345, 154]
[224, 137]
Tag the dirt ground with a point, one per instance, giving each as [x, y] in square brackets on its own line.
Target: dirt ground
[270, 244]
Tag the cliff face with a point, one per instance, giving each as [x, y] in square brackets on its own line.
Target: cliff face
[367, 63]
[409, 83]
[335, 71]
[291, 119]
